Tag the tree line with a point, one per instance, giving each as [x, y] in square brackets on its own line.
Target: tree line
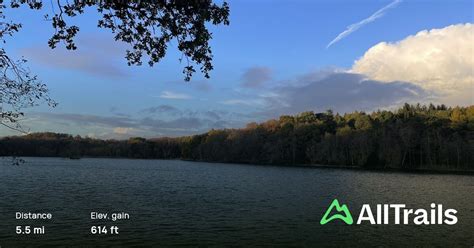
[412, 137]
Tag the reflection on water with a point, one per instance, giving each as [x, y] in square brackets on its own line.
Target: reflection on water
[202, 204]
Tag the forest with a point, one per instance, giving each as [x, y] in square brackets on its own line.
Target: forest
[412, 137]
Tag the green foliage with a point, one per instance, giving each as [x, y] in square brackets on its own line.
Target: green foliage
[413, 137]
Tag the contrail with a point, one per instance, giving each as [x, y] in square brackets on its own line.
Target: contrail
[353, 27]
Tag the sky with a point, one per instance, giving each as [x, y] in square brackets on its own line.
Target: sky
[276, 57]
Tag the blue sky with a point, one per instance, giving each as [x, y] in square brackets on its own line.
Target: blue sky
[272, 52]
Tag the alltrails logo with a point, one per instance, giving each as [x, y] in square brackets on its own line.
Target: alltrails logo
[391, 214]
[346, 217]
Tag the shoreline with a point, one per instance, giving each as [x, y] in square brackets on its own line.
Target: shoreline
[309, 166]
[356, 168]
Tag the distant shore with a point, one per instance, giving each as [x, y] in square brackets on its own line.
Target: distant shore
[412, 138]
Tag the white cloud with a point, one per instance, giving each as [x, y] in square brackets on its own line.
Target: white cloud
[439, 60]
[353, 27]
[122, 130]
[174, 95]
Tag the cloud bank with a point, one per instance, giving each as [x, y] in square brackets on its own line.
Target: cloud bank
[154, 121]
[124, 127]
[437, 60]
[341, 92]
[431, 66]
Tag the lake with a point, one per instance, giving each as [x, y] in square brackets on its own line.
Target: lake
[179, 203]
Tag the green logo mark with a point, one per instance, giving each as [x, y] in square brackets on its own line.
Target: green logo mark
[346, 216]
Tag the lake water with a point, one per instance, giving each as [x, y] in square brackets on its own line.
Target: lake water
[177, 203]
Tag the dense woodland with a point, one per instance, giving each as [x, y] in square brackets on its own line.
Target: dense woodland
[412, 137]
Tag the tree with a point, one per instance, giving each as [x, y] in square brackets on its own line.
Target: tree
[18, 87]
[148, 26]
